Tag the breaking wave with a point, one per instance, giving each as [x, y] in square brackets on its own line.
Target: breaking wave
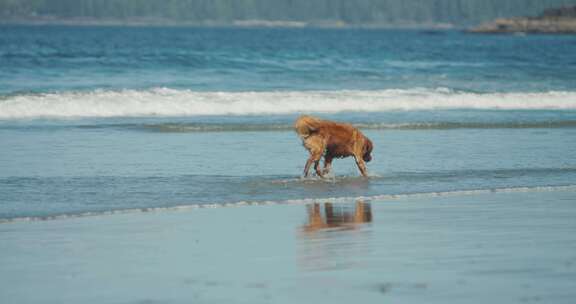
[166, 102]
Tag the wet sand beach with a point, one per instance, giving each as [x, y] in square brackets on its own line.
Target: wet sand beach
[517, 247]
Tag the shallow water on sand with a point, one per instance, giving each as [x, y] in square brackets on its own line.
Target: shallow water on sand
[74, 170]
[498, 247]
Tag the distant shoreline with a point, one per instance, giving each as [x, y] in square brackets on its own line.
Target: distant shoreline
[552, 21]
[256, 23]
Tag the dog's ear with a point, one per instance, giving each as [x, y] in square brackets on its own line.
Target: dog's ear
[367, 150]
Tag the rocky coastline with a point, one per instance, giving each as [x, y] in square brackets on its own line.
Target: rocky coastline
[551, 21]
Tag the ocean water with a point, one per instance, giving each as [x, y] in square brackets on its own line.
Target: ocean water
[97, 120]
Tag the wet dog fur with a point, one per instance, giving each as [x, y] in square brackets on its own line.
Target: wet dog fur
[329, 139]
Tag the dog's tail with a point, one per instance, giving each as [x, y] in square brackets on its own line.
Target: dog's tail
[305, 125]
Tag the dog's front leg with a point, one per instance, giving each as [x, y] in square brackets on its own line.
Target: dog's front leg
[361, 166]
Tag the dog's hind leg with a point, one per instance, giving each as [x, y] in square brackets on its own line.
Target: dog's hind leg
[314, 158]
[317, 168]
[315, 146]
[327, 164]
[309, 162]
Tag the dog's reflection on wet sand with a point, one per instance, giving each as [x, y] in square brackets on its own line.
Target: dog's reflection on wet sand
[334, 236]
[339, 216]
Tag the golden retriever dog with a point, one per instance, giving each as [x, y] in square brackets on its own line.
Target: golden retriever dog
[332, 140]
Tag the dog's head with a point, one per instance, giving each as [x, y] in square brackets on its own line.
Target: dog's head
[367, 150]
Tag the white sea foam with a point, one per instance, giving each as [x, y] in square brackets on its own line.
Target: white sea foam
[304, 201]
[171, 102]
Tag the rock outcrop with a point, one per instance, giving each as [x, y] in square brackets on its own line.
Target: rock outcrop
[551, 21]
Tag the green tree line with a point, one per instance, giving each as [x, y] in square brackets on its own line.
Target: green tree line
[459, 12]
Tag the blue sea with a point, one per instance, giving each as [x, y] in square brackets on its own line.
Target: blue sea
[99, 120]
